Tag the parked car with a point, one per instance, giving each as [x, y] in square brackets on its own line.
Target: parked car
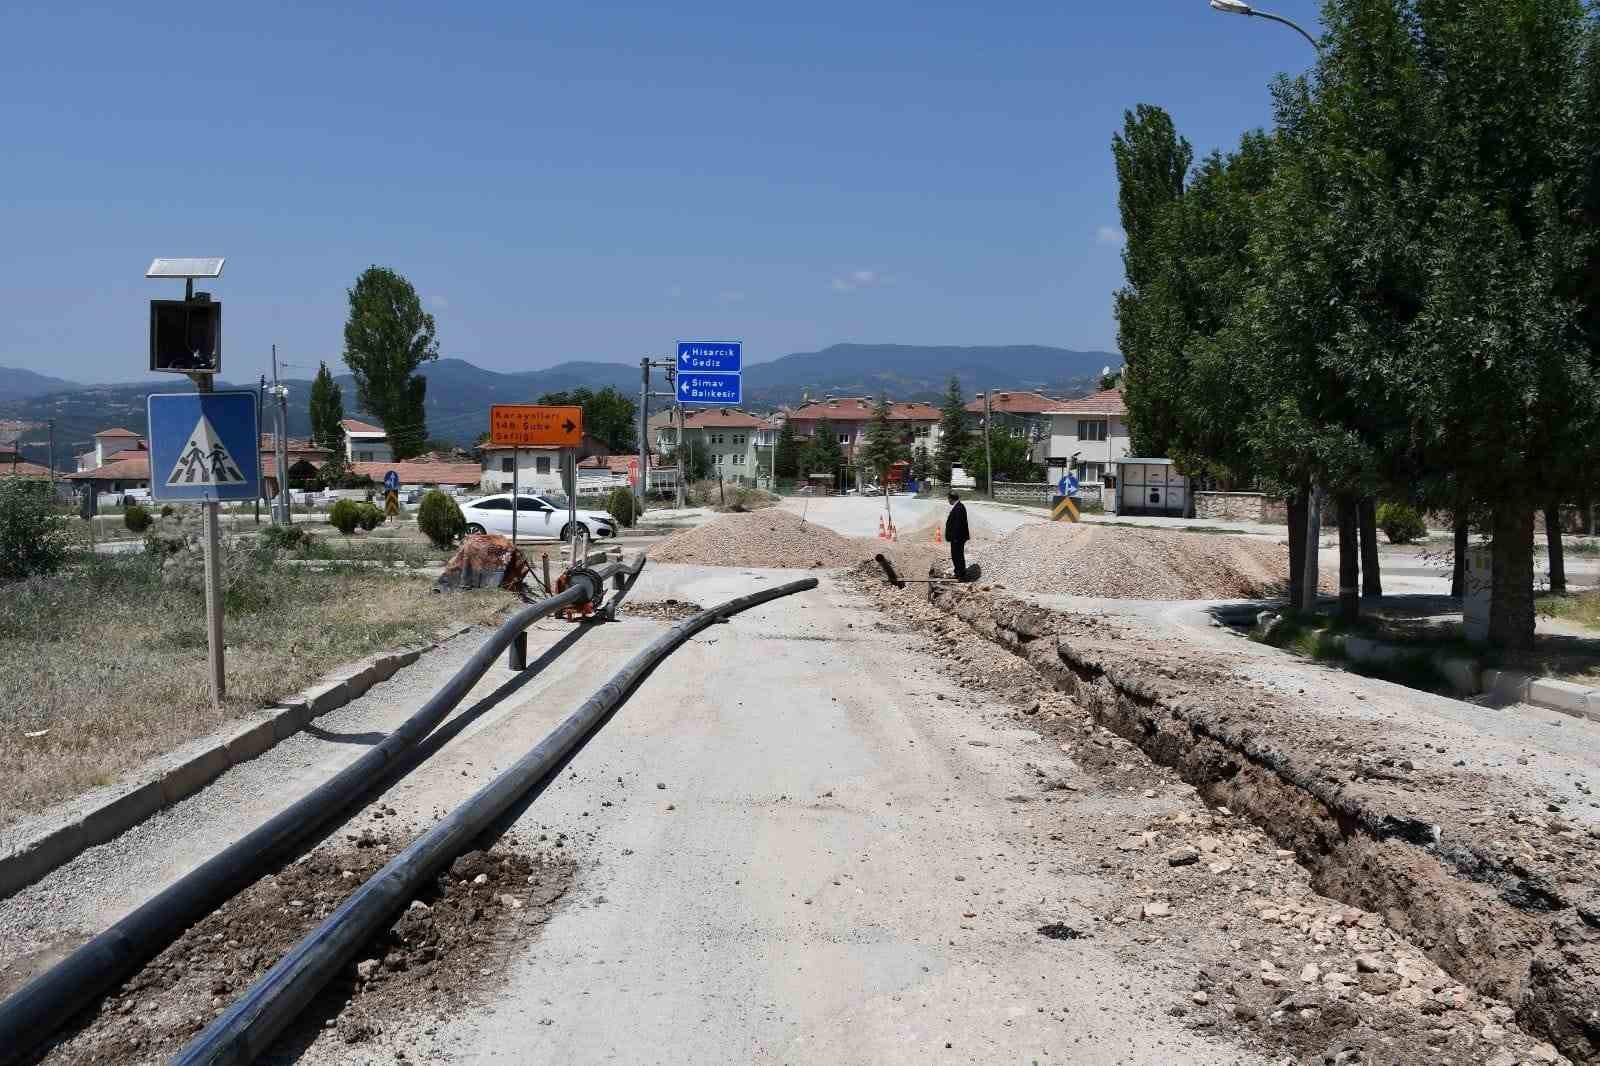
[537, 516]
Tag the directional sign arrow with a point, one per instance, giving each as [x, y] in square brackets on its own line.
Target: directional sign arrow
[569, 425]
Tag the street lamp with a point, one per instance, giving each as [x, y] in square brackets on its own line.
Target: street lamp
[1239, 7]
[988, 453]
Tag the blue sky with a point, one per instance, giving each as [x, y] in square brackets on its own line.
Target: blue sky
[597, 180]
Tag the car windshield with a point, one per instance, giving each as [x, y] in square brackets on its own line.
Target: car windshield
[558, 500]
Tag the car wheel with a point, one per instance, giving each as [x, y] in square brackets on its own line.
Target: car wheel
[566, 530]
[473, 529]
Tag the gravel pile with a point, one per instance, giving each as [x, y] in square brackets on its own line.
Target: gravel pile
[1136, 564]
[760, 538]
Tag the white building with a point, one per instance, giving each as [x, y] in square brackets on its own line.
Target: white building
[536, 469]
[364, 443]
[1088, 436]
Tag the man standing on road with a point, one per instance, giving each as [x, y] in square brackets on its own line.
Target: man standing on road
[955, 531]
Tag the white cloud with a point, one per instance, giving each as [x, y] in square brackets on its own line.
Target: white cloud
[1110, 237]
[857, 279]
[728, 297]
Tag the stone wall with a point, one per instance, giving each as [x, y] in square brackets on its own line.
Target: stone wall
[1232, 507]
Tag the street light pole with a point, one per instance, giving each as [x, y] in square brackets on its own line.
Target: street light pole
[1238, 7]
[988, 447]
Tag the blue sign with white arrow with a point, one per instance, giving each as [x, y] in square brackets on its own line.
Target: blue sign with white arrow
[391, 481]
[721, 357]
[204, 446]
[710, 389]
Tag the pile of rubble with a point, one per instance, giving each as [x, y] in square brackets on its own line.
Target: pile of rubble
[771, 537]
[1135, 564]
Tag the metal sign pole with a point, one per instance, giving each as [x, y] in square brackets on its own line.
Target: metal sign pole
[213, 563]
[569, 460]
[516, 492]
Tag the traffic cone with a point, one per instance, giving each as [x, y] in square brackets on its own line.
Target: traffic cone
[883, 533]
[938, 535]
[894, 536]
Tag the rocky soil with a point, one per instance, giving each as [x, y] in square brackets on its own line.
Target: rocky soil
[442, 951]
[1144, 564]
[760, 538]
[1269, 961]
[661, 610]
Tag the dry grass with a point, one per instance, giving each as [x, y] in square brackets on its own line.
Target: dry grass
[113, 662]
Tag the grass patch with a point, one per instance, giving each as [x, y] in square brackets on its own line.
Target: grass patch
[111, 658]
[1582, 608]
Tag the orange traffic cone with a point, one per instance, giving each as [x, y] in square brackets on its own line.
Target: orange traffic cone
[883, 533]
[892, 534]
[938, 535]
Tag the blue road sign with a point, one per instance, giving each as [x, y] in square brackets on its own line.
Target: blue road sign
[391, 482]
[710, 389]
[720, 357]
[204, 446]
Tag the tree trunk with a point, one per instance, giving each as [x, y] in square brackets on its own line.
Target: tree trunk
[1511, 596]
[1558, 561]
[1297, 548]
[1458, 575]
[1371, 575]
[1349, 559]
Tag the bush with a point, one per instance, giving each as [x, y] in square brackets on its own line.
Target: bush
[622, 505]
[33, 540]
[345, 516]
[286, 538]
[372, 516]
[1402, 524]
[136, 518]
[166, 510]
[440, 519]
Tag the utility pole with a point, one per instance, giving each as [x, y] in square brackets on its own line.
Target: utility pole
[279, 446]
[52, 424]
[261, 391]
[644, 430]
[988, 447]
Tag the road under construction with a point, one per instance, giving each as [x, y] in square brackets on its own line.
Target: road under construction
[849, 825]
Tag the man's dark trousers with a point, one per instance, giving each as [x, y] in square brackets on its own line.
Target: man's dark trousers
[958, 558]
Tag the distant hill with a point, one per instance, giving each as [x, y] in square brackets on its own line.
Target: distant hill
[18, 384]
[459, 393]
[917, 372]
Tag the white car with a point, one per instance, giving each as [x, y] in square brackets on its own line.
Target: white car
[537, 517]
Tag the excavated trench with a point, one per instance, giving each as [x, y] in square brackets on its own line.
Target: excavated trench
[1495, 927]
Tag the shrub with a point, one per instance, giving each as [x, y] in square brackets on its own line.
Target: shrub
[286, 538]
[345, 516]
[166, 510]
[622, 505]
[32, 539]
[440, 519]
[1401, 523]
[136, 518]
[372, 516]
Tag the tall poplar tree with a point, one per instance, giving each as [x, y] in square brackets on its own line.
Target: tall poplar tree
[386, 338]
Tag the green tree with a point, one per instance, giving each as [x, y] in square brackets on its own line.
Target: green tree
[440, 519]
[1013, 459]
[33, 539]
[883, 447]
[786, 454]
[953, 433]
[608, 415]
[696, 459]
[327, 411]
[386, 338]
[824, 454]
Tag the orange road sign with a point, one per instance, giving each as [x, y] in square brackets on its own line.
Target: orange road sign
[533, 425]
[1065, 509]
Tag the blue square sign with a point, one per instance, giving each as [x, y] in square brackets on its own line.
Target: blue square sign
[204, 446]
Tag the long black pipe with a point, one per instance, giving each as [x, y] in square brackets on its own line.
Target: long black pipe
[34, 1013]
[251, 1024]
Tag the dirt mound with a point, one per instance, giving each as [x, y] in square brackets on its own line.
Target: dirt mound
[761, 538]
[1136, 564]
[439, 953]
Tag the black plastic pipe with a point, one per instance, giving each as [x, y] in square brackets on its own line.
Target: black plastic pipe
[36, 1011]
[250, 1025]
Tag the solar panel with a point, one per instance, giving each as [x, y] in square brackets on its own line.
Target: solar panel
[195, 267]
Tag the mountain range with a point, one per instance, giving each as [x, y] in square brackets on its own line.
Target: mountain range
[459, 392]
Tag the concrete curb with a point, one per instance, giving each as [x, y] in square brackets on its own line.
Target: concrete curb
[1469, 677]
[132, 803]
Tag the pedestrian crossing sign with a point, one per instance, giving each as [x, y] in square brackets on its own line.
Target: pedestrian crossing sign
[204, 446]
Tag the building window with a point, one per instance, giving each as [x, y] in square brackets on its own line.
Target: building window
[364, 457]
[1091, 472]
[738, 438]
[1091, 429]
[506, 465]
[716, 438]
[738, 459]
[541, 464]
[844, 438]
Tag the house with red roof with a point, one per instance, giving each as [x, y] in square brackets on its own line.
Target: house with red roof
[365, 442]
[850, 415]
[738, 443]
[1088, 436]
